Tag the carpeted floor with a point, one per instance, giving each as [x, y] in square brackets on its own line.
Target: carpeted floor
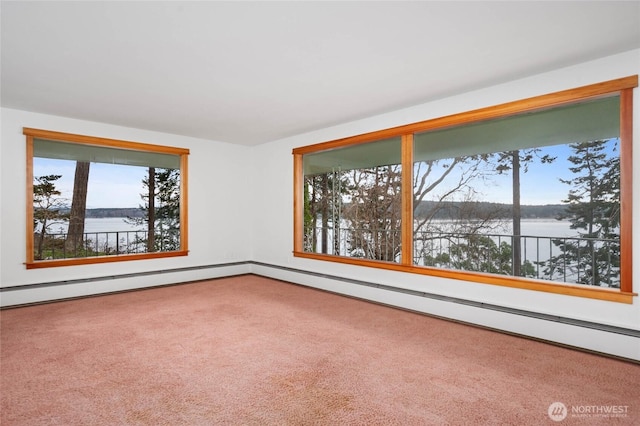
[253, 351]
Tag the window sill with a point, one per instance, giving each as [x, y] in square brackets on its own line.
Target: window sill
[102, 259]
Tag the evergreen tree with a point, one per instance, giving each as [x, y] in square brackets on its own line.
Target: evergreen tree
[518, 161]
[594, 211]
[47, 206]
[168, 210]
[161, 207]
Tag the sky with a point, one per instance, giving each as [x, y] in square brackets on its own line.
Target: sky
[539, 185]
[110, 185]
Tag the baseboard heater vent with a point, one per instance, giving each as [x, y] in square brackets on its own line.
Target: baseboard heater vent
[121, 276]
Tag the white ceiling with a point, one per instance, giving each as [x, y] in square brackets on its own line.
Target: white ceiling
[253, 72]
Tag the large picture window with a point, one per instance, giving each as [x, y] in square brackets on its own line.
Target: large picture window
[95, 200]
[533, 194]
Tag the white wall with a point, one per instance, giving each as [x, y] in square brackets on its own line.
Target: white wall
[218, 212]
[273, 243]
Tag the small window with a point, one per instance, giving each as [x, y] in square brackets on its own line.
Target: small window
[353, 201]
[101, 200]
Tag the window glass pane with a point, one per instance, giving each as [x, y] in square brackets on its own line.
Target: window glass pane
[352, 204]
[535, 195]
[92, 201]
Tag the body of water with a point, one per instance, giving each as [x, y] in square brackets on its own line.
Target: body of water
[531, 227]
[543, 228]
[107, 224]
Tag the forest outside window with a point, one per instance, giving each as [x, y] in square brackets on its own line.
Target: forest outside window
[353, 201]
[534, 194]
[95, 200]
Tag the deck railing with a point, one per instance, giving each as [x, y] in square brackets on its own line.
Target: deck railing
[93, 244]
[591, 261]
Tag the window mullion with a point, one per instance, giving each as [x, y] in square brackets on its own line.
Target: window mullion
[407, 199]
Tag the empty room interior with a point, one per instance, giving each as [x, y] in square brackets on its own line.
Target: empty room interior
[319, 213]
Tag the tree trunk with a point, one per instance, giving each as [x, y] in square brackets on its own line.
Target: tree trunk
[515, 247]
[151, 237]
[75, 234]
[43, 232]
[314, 215]
[335, 211]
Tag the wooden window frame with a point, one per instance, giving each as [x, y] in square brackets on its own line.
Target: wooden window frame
[622, 87]
[32, 134]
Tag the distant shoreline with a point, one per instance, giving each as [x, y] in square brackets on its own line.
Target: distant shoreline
[451, 209]
[101, 213]
[540, 211]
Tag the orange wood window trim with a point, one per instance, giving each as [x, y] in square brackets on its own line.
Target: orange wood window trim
[626, 191]
[29, 201]
[298, 203]
[184, 203]
[622, 86]
[31, 133]
[111, 143]
[407, 200]
[103, 259]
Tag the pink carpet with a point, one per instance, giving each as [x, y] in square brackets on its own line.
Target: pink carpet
[253, 351]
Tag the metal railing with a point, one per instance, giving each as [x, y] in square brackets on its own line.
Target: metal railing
[590, 261]
[378, 244]
[110, 243]
[593, 261]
